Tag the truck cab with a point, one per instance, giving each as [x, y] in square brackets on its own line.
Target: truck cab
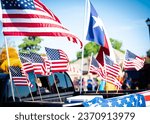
[42, 92]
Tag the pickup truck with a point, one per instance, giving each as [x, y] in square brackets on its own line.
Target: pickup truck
[42, 95]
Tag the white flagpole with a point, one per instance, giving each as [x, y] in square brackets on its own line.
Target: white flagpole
[38, 87]
[12, 88]
[105, 69]
[90, 62]
[84, 28]
[18, 94]
[31, 93]
[122, 67]
[5, 39]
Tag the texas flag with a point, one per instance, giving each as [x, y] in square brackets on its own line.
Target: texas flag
[96, 33]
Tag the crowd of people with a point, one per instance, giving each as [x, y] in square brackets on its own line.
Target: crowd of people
[96, 84]
[87, 85]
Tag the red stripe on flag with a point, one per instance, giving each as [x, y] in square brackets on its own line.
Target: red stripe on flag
[147, 98]
[32, 25]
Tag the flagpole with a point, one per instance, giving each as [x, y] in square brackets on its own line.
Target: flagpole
[57, 88]
[12, 88]
[18, 94]
[82, 62]
[117, 89]
[122, 67]
[123, 61]
[90, 62]
[38, 87]
[29, 87]
[31, 92]
[105, 70]
[27, 75]
[98, 86]
[84, 27]
[89, 69]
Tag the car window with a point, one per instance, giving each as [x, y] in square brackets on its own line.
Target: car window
[23, 91]
[64, 82]
[47, 82]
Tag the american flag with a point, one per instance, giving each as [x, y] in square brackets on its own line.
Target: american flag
[38, 64]
[112, 70]
[32, 18]
[47, 65]
[132, 100]
[117, 83]
[58, 59]
[133, 61]
[96, 68]
[18, 77]
[146, 95]
[26, 62]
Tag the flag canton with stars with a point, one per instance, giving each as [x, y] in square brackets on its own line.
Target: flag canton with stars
[134, 100]
[17, 4]
[24, 57]
[94, 62]
[15, 71]
[108, 61]
[53, 54]
[36, 58]
[129, 55]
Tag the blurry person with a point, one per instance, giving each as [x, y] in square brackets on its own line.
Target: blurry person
[76, 83]
[84, 84]
[54, 87]
[102, 85]
[135, 85]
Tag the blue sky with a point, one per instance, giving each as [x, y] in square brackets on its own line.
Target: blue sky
[124, 20]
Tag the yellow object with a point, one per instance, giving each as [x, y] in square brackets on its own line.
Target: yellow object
[13, 58]
[110, 86]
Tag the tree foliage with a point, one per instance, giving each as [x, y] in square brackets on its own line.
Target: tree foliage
[90, 48]
[148, 53]
[30, 44]
[116, 45]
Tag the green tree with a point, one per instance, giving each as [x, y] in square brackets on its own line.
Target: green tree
[116, 45]
[30, 44]
[89, 48]
[92, 47]
[148, 53]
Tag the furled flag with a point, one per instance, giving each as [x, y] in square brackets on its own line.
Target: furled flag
[18, 77]
[96, 33]
[96, 68]
[112, 70]
[38, 64]
[132, 100]
[133, 61]
[58, 59]
[26, 62]
[32, 18]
